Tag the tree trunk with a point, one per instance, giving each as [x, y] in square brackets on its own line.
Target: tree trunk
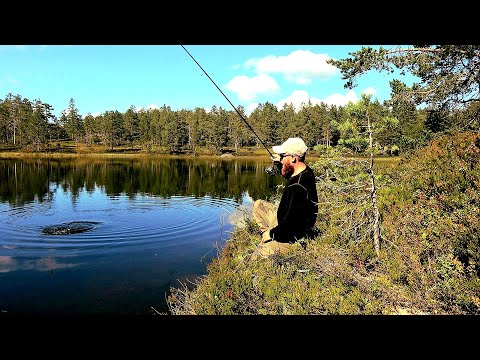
[376, 214]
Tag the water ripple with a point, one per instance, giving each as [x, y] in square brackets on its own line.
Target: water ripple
[146, 222]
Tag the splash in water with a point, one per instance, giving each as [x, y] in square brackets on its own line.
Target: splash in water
[73, 227]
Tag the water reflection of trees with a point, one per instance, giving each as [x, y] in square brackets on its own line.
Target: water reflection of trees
[27, 180]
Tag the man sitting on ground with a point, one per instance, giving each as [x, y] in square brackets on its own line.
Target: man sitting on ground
[297, 211]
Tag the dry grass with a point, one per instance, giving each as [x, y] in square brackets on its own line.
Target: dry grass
[430, 205]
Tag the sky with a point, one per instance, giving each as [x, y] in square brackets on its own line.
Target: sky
[104, 78]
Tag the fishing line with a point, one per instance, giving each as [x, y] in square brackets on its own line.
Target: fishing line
[238, 112]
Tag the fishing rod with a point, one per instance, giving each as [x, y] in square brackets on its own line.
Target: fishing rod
[238, 112]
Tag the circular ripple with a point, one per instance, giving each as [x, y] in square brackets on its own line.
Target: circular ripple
[100, 225]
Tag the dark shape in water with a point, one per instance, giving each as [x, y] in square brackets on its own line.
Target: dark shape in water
[73, 227]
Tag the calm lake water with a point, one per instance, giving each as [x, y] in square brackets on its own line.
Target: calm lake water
[104, 236]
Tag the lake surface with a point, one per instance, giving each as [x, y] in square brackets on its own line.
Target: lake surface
[105, 236]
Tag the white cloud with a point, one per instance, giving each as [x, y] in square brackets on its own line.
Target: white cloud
[10, 81]
[7, 264]
[369, 91]
[296, 98]
[251, 107]
[13, 81]
[248, 88]
[143, 108]
[341, 100]
[301, 97]
[300, 66]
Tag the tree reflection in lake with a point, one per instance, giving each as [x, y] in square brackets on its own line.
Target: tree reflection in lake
[157, 220]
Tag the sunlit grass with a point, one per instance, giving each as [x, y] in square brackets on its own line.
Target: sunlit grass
[430, 250]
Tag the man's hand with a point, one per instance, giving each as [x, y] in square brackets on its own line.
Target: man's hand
[265, 237]
[275, 158]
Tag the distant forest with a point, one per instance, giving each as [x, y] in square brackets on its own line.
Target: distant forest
[396, 126]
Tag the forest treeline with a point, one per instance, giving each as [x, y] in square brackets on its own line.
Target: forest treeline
[398, 126]
[446, 97]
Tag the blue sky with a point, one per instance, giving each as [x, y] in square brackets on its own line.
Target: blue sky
[114, 77]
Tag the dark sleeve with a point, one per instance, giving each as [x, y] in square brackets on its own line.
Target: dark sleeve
[292, 214]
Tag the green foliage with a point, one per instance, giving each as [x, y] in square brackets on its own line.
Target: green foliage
[344, 129]
[328, 151]
[437, 121]
[299, 284]
[430, 206]
[447, 73]
[432, 220]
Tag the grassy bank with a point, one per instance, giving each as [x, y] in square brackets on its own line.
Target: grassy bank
[430, 248]
[72, 149]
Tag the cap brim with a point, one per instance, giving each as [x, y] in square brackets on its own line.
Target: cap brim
[278, 149]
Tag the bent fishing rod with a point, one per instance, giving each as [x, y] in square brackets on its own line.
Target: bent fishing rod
[238, 112]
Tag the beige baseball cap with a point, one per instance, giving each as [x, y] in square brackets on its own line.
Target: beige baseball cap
[293, 146]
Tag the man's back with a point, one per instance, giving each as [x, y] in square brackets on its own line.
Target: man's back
[298, 208]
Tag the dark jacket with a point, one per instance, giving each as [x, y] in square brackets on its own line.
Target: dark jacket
[298, 208]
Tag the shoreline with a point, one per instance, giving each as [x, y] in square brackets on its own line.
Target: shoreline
[242, 155]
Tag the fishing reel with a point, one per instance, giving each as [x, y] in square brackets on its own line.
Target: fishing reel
[273, 169]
